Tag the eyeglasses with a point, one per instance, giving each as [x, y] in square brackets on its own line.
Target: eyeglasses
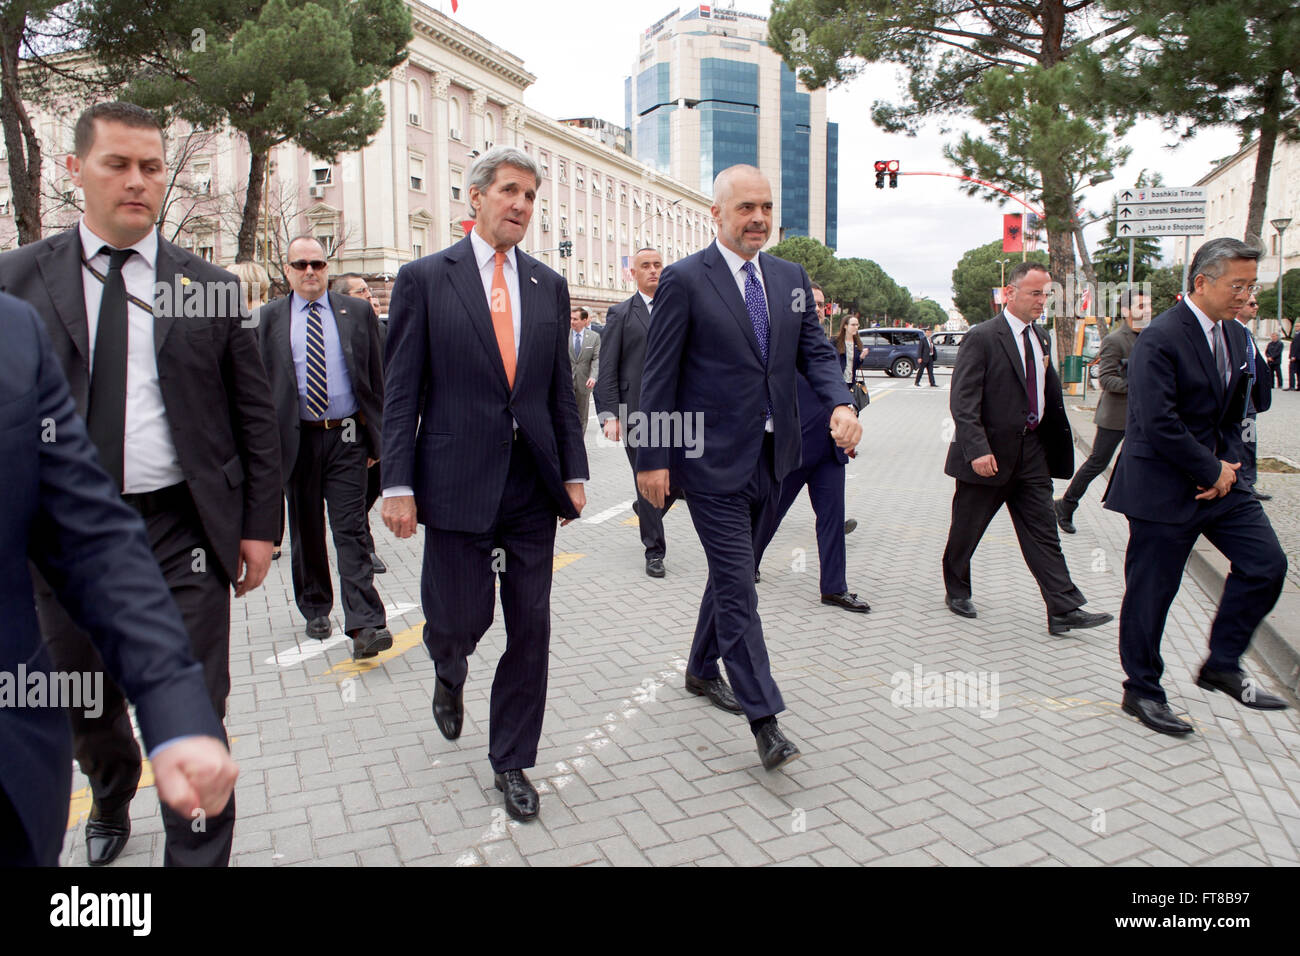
[298, 265]
[1239, 287]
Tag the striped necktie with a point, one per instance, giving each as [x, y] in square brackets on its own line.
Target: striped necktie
[318, 396]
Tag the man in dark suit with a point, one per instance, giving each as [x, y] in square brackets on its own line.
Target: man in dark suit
[1011, 439]
[1273, 355]
[1177, 478]
[618, 394]
[925, 359]
[179, 410]
[482, 447]
[1112, 407]
[821, 469]
[1259, 398]
[355, 285]
[1293, 377]
[322, 354]
[730, 329]
[64, 514]
[584, 353]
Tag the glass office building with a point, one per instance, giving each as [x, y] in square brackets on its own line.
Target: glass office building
[708, 93]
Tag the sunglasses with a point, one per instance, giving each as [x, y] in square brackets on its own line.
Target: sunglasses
[299, 265]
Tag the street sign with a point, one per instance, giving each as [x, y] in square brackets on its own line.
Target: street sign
[1161, 227]
[1160, 211]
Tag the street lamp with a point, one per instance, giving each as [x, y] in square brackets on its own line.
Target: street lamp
[1280, 225]
[1003, 264]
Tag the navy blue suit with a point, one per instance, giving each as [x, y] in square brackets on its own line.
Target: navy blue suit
[703, 360]
[822, 470]
[1182, 422]
[487, 495]
[64, 514]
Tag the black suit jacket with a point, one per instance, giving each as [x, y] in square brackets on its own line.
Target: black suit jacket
[64, 514]
[622, 358]
[448, 408]
[359, 337]
[1182, 420]
[703, 358]
[213, 386]
[990, 404]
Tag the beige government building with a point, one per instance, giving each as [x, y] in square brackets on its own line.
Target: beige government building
[405, 195]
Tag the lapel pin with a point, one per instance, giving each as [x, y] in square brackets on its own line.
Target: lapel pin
[185, 280]
[533, 279]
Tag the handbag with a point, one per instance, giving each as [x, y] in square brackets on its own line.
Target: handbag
[861, 397]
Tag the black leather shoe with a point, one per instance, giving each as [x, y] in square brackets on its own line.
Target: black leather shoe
[655, 567]
[1061, 623]
[1155, 714]
[1064, 518]
[275, 555]
[369, 641]
[448, 708]
[717, 691]
[962, 607]
[105, 839]
[850, 526]
[1242, 688]
[1262, 496]
[521, 796]
[377, 563]
[319, 628]
[848, 600]
[773, 749]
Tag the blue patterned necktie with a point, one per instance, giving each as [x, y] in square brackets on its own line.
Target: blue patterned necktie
[756, 306]
[318, 396]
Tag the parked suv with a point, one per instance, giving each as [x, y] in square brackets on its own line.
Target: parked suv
[945, 347]
[894, 351]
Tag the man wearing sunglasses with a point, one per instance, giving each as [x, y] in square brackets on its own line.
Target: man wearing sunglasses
[323, 357]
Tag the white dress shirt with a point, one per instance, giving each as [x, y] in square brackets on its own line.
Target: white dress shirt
[1040, 372]
[737, 266]
[149, 459]
[1207, 325]
[649, 306]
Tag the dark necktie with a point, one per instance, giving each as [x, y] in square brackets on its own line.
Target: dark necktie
[756, 306]
[318, 395]
[106, 410]
[1221, 353]
[1031, 383]
[577, 344]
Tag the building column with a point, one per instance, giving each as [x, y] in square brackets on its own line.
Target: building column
[442, 211]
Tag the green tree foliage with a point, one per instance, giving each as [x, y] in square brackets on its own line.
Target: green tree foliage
[1166, 283]
[818, 260]
[1208, 63]
[926, 313]
[978, 273]
[859, 285]
[1267, 298]
[1006, 62]
[274, 71]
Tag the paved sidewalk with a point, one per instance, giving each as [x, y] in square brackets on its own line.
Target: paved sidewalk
[341, 763]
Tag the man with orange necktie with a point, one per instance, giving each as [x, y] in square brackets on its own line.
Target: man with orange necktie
[482, 447]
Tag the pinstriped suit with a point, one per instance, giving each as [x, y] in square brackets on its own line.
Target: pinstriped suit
[487, 495]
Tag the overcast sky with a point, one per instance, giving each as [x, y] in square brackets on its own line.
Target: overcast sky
[581, 50]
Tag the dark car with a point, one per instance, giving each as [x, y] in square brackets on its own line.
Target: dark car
[945, 348]
[893, 351]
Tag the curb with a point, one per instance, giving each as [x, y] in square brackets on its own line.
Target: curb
[1209, 570]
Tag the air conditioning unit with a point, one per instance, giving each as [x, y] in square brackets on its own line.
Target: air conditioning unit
[546, 224]
[415, 119]
[4, 207]
[316, 192]
[564, 234]
[455, 134]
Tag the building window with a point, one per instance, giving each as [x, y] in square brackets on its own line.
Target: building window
[413, 103]
[322, 176]
[582, 272]
[203, 247]
[4, 200]
[417, 241]
[609, 190]
[580, 179]
[622, 195]
[203, 177]
[564, 172]
[327, 242]
[454, 117]
[595, 183]
[457, 183]
[544, 161]
[489, 131]
[595, 228]
[417, 173]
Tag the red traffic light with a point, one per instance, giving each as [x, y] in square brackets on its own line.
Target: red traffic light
[881, 165]
[893, 165]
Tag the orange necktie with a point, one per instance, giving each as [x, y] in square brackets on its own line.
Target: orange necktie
[502, 320]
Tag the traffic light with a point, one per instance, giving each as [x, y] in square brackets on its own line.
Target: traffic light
[892, 165]
[881, 166]
[566, 248]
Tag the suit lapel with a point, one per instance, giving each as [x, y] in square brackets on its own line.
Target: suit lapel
[724, 283]
[1192, 326]
[166, 270]
[60, 266]
[640, 311]
[346, 323]
[467, 283]
[281, 333]
[530, 305]
[1011, 346]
